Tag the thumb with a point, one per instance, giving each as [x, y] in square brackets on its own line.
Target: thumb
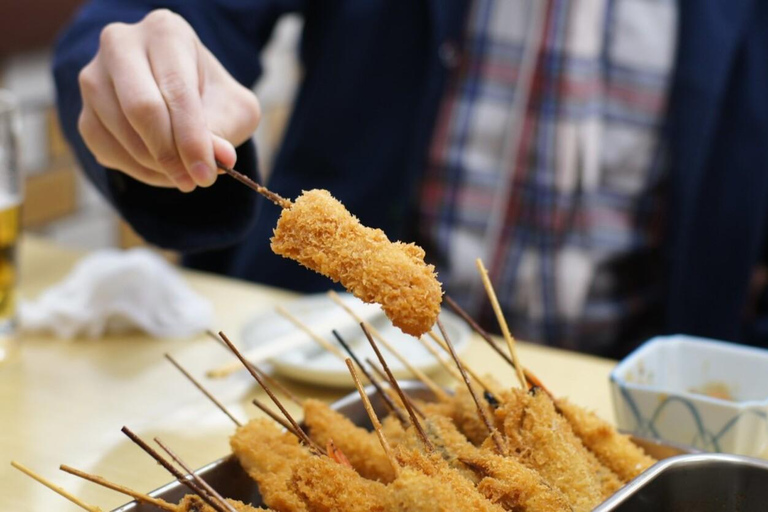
[224, 151]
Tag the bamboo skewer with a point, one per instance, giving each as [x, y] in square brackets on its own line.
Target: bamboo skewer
[393, 381]
[203, 390]
[55, 488]
[272, 414]
[491, 428]
[248, 182]
[144, 498]
[302, 435]
[502, 322]
[274, 383]
[437, 390]
[380, 373]
[480, 380]
[183, 479]
[199, 480]
[374, 419]
[384, 396]
[440, 359]
[315, 337]
[532, 379]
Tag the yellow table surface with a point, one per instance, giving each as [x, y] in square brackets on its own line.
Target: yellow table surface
[65, 401]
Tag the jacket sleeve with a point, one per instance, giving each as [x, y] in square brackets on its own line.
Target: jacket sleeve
[235, 31]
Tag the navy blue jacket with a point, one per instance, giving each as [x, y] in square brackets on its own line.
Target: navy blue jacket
[375, 71]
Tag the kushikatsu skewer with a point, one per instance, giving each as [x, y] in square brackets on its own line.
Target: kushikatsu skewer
[199, 480]
[437, 390]
[403, 398]
[302, 435]
[55, 488]
[316, 222]
[248, 182]
[183, 479]
[380, 373]
[480, 380]
[384, 396]
[202, 389]
[374, 419]
[273, 383]
[494, 433]
[529, 376]
[144, 498]
[269, 412]
[502, 322]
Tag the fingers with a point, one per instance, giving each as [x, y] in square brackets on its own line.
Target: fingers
[111, 154]
[141, 101]
[224, 151]
[176, 68]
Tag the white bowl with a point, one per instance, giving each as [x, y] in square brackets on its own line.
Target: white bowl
[657, 392]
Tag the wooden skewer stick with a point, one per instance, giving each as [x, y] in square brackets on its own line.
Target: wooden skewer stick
[480, 380]
[144, 498]
[384, 396]
[248, 182]
[374, 419]
[440, 359]
[178, 475]
[203, 390]
[273, 383]
[393, 381]
[55, 488]
[532, 379]
[199, 480]
[272, 414]
[302, 435]
[491, 428]
[502, 322]
[380, 373]
[437, 390]
[315, 337]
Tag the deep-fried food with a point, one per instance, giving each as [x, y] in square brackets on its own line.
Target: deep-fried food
[319, 232]
[360, 446]
[614, 450]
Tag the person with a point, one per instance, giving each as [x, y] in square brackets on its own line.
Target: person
[606, 158]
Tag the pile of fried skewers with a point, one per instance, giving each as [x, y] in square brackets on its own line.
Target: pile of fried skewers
[481, 447]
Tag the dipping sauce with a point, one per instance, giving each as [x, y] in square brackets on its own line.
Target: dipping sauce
[715, 389]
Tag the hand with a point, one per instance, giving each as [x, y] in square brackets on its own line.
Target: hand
[158, 106]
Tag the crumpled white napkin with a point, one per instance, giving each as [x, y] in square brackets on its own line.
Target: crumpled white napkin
[119, 291]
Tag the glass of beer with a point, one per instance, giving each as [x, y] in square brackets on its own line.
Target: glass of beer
[10, 221]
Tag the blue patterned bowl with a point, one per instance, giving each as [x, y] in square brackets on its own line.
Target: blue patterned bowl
[708, 394]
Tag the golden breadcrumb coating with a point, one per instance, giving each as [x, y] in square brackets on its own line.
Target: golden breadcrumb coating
[327, 486]
[269, 456]
[614, 450]
[361, 447]
[428, 483]
[543, 440]
[319, 232]
[193, 503]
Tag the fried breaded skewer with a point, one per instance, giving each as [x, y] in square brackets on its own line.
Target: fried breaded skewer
[614, 450]
[317, 231]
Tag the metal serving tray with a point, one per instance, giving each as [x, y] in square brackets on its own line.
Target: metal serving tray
[682, 481]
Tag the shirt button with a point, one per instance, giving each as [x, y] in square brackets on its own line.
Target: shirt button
[449, 54]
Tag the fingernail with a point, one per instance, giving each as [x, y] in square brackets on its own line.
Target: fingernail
[202, 173]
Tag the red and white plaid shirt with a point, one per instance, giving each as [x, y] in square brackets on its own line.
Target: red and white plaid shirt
[546, 162]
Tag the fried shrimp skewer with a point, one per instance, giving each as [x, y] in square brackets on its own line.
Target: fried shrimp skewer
[317, 231]
[614, 450]
[359, 445]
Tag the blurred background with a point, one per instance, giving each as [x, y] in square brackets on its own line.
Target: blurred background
[59, 202]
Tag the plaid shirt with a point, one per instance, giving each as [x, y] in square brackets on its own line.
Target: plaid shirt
[546, 162]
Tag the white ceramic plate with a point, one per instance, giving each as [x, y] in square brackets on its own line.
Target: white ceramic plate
[312, 364]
